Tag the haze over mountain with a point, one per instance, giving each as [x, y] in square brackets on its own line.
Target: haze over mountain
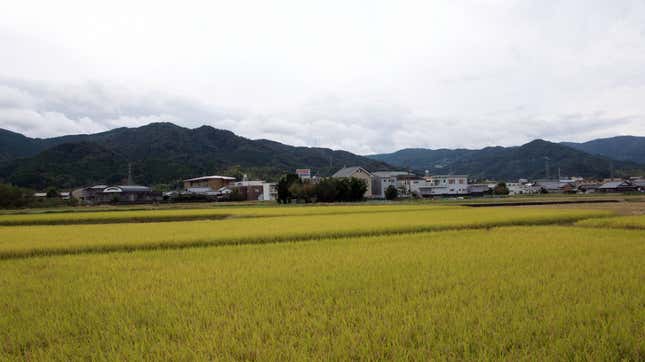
[159, 153]
[510, 163]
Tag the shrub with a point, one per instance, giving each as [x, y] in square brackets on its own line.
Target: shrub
[391, 193]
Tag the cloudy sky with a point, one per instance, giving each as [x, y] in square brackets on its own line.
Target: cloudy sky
[366, 76]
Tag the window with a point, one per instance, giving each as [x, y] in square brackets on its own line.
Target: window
[451, 181]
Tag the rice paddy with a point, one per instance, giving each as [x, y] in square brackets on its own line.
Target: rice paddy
[215, 213]
[395, 282]
[20, 241]
[620, 222]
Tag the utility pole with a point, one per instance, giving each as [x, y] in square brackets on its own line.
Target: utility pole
[546, 168]
[130, 181]
[611, 169]
[559, 177]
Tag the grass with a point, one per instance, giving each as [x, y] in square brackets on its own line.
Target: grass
[25, 241]
[518, 293]
[621, 222]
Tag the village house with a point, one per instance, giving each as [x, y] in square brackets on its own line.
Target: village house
[205, 184]
[554, 186]
[255, 190]
[618, 186]
[640, 183]
[358, 173]
[129, 194]
[402, 180]
[588, 187]
[520, 188]
[102, 194]
[479, 189]
[88, 195]
[442, 185]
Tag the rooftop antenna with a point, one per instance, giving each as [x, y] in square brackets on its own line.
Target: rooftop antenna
[130, 181]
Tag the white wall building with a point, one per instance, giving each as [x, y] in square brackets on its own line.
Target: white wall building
[402, 180]
[441, 185]
[517, 188]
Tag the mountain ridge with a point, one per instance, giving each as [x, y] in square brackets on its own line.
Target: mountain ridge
[162, 153]
[621, 148]
[165, 153]
[510, 163]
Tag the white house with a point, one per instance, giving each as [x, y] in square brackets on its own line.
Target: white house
[442, 185]
[518, 188]
[402, 180]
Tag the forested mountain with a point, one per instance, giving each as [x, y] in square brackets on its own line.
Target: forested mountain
[510, 163]
[623, 148]
[159, 153]
[166, 153]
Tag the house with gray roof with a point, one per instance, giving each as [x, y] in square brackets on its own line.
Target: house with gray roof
[358, 173]
[618, 186]
[122, 194]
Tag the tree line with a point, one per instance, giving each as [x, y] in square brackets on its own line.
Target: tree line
[291, 188]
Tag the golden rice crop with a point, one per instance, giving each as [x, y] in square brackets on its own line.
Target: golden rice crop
[520, 293]
[20, 241]
[623, 222]
[158, 215]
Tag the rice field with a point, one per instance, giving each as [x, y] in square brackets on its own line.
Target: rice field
[621, 222]
[21, 241]
[212, 213]
[386, 282]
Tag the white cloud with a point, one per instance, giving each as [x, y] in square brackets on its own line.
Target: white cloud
[344, 74]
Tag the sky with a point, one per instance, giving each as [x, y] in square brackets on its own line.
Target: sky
[363, 76]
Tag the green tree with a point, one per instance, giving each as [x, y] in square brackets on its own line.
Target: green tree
[357, 189]
[391, 193]
[52, 193]
[11, 196]
[327, 190]
[501, 189]
[285, 183]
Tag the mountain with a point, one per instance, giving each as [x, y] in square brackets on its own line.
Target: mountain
[158, 153]
[622, 148]
[511, 163]
[14, 145]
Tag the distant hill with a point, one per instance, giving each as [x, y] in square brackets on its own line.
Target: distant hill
[510, 163]
[159, 153]
[622, 148]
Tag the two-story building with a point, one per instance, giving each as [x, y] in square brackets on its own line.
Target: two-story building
[207, 184]
[442, 185]
[402, 180]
